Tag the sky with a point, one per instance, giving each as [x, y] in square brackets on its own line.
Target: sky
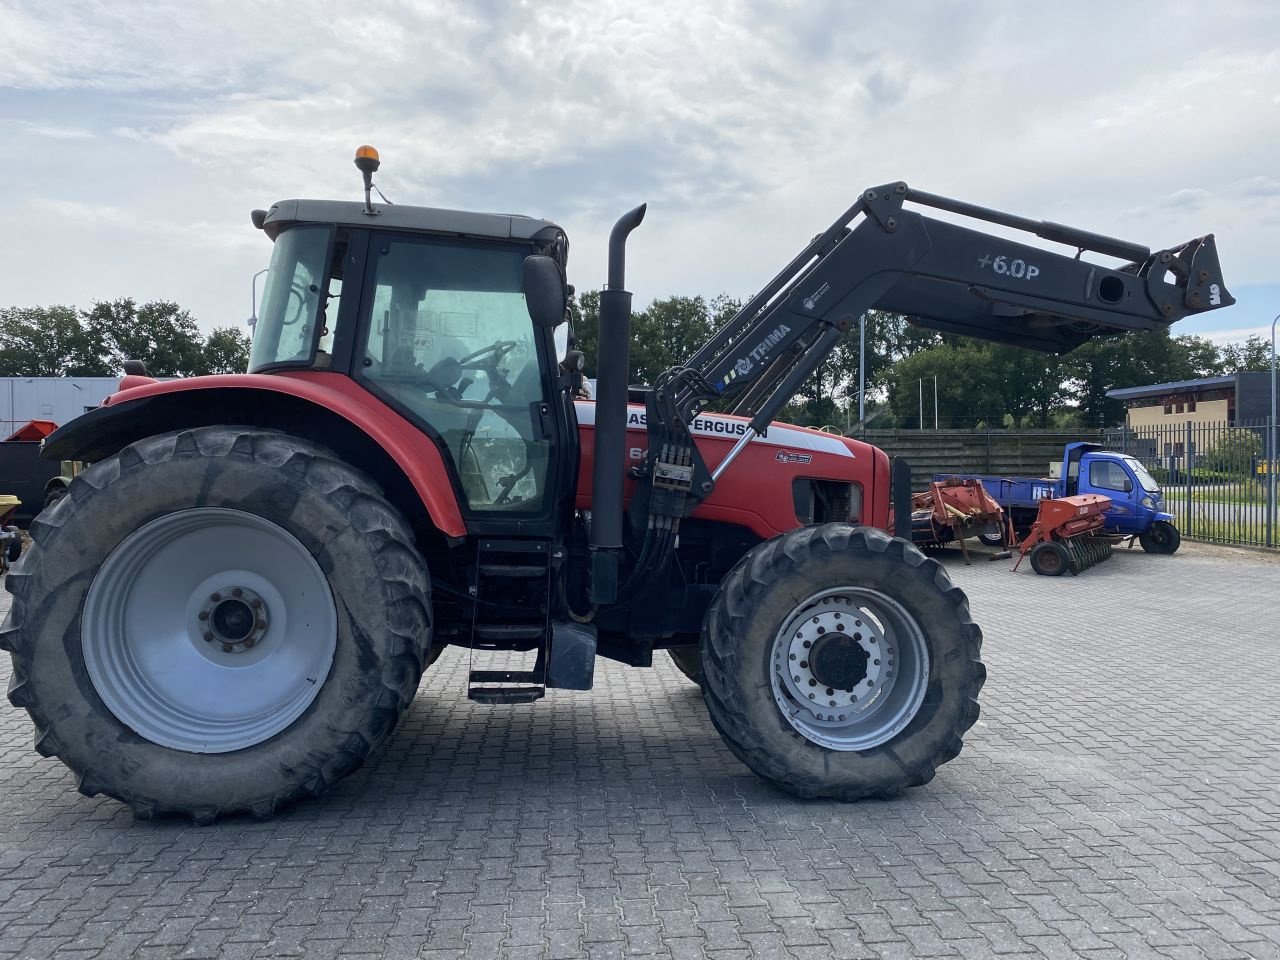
[137, 137]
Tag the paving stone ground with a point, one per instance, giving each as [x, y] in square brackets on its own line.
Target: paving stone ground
[1120, 797]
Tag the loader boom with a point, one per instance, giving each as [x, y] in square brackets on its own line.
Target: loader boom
[941, 275]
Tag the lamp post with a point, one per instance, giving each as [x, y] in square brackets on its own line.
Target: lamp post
[1271, 444]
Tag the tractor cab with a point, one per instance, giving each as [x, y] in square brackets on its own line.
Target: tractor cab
[446, 316]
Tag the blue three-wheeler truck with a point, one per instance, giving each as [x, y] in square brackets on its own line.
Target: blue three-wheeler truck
[1137, 507]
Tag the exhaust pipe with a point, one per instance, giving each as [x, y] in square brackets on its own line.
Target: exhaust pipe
[612, 362]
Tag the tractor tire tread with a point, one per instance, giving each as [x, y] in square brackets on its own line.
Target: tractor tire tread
[729, 618]
[399, 566]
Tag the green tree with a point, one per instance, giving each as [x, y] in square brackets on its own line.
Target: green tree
[225, 350]
[159, 333]
[49, 342]
[1252, 355]
[1106, 363]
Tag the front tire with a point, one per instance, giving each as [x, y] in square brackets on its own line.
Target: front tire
[216, 620]
[896, 663]
[688, 660]
[1162, 538]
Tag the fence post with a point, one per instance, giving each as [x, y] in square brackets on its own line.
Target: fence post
[1271, 480]
[1187, 461]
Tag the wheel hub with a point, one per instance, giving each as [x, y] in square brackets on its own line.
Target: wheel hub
[850, 668]
[837, 660]
[237, 619]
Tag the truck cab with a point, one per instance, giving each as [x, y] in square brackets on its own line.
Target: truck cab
[1136, 499]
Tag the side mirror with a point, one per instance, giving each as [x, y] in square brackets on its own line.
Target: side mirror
[1128, 485]
[544, 291]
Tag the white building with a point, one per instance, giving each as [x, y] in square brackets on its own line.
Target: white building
[59, 399]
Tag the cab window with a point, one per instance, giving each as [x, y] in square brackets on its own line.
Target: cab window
[1109, 475]
[450, 338]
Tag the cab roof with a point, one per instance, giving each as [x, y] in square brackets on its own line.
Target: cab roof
[432, 220]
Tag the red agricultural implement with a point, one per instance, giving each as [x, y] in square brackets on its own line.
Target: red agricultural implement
[1067, 535]
[953, 510]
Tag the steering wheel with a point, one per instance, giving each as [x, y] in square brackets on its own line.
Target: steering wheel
[487, 358]
[300, 292]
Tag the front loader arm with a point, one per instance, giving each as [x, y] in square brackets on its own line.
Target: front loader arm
[881, 255]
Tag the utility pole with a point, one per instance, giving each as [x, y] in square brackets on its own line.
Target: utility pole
[920, 384]
[935, 401]
[1271, 445]
[862, 368]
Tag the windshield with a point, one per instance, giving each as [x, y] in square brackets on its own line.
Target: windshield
[1147, 481]
[292, 298]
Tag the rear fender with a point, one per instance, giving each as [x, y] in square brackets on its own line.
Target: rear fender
[327, 408]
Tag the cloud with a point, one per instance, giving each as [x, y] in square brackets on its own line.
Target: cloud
[747, 124]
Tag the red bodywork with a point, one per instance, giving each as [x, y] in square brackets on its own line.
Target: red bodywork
[413, 450]
[756, 492]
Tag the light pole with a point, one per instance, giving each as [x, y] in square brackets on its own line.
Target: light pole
[1271, 444]
[862, 368]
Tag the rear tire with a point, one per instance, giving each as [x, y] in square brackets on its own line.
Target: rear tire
[1050, 559]
[688, 660]
[216, 492]
[906, 727]
[1162, 538]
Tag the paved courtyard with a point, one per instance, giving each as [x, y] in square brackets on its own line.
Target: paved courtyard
[1120, 797]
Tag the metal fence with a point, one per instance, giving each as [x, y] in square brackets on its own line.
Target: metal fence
[1219, 479]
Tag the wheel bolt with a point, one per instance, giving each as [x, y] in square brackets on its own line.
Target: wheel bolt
[804, 664]
[793, 656]
[237, 592]
[249, 643]
[822, 630]
[216, 597]
[227, 648]
[811, 696]
[204, 614]
[208, 637]
[808, 644]
[256, 604]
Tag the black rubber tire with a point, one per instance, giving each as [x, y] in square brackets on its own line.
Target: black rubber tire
[757, 597]
[992, 536]
[380, 588]
[688, 660]
[1162, 538]
[14, 550]
[1050, 559]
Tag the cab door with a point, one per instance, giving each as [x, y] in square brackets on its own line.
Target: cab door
[1111, 478]
[447, 340]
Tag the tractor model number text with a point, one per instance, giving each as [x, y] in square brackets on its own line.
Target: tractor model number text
[1017, 268]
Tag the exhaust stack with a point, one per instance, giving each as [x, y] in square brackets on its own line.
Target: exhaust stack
[612, 364]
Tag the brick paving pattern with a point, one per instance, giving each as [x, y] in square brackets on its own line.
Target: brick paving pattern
[1120, 797]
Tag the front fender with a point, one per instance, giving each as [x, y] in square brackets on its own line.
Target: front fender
[326, 407]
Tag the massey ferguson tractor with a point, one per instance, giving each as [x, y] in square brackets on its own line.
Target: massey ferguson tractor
[235, 601]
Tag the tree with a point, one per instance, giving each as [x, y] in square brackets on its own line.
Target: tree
[1106, 363]
[49, 342]
[1252, 355]
[159, 333]
[226, 350]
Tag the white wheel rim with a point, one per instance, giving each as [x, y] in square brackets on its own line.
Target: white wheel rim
[209, 630]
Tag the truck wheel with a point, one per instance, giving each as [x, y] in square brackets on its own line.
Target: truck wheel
[841, 662]
[216, 620]
[688, 660]
[1050, 559]
[992, 535]
[1163, 537]
[14, 550]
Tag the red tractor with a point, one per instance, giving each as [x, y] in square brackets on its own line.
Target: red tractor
[233, 604]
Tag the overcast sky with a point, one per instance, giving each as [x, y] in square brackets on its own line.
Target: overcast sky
[135, 137]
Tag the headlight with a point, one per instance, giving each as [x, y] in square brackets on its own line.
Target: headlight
[1149, 503]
